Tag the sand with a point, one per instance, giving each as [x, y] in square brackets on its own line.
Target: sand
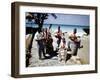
[83, 54]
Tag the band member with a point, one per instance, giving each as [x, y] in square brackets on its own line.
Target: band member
[41, 46]
[58, 35]
[49, 45]
[74, 43]
[63, 40]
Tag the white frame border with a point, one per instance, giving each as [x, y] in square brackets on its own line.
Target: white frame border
[54, 69]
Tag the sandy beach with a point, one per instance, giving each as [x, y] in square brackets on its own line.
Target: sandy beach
[83, 54]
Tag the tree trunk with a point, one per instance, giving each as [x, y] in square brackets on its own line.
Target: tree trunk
[40, 26]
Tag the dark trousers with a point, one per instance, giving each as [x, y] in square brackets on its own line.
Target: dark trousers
[41, 48]
[58, 41]
[41, 51]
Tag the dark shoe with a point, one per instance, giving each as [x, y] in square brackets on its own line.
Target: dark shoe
[46, 57]
[81, 46]
[40, 58]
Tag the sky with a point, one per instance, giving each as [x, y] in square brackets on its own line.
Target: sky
[68, 19]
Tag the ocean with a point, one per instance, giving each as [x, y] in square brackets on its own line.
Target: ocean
[65, 28]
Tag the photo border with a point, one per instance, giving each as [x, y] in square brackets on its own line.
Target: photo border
[15, 32]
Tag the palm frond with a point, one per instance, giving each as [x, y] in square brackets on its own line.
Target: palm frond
[54, 15]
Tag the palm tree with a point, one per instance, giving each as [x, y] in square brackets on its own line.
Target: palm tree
[38, 19]
[86, 30]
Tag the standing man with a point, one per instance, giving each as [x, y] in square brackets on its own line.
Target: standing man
[59, 33]
[41, 46]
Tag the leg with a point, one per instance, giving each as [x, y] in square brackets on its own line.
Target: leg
[43, 53]
[59, 57]
[39, 52]
[58, 41]
[75, 52]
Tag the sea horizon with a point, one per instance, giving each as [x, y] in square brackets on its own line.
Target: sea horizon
[64, 28]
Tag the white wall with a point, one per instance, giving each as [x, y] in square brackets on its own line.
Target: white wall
[5, 40]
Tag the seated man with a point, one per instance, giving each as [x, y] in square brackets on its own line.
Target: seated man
[62, 52]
